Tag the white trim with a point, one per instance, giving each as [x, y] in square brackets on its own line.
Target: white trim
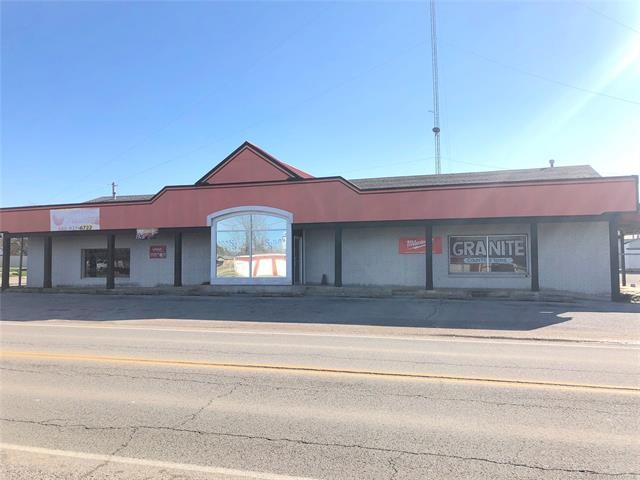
[212, 220]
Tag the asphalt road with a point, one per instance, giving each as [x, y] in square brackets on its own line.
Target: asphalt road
[178, 399]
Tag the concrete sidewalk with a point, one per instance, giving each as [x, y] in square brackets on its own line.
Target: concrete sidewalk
[398, 316]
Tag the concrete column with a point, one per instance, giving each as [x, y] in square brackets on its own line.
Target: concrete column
[177, 260]
[623, 260]
[111, 257]
[6, 260]
[535, 282]
[428, 256]
[297, 257]
[48, 258]
[613, 258]
[338, 257]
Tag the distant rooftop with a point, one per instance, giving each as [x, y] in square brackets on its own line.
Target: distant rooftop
[119, 198]
[527, 174]
[497, 176]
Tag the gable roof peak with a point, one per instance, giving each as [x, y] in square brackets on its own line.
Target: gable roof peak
[250, 163]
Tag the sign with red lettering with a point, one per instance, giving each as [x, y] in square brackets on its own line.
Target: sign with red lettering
[419, 245]
[158, 251]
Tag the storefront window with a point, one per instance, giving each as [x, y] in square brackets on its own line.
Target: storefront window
[95, 262]
[251, 246]
[488, 254]
[269, 253]
[233, 256]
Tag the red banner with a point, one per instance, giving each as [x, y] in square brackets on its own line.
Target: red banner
[411, 245]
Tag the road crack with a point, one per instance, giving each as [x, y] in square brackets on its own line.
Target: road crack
[393, 465]
[191, 417]
[298, 441]
[124, 445]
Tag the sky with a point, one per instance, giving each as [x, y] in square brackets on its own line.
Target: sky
[149, 94]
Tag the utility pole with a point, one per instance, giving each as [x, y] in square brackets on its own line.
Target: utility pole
[434, 70]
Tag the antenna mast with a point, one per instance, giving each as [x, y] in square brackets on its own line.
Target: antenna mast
[434, 70]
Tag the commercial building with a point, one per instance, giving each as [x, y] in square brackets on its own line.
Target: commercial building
[254, 220]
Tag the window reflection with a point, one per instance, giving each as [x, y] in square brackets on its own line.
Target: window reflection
[95, 262]
[232, 254]
[251, 246]
[269, 253]
[268, 222]
[237, 222]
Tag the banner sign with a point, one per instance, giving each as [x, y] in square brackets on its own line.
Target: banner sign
[146, 233]
[411, 245]
[158, 251]
[488, 253]
[74, 219]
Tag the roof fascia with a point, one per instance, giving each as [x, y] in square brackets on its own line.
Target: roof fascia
[334, 178]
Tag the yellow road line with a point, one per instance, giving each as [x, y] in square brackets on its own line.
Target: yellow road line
[306, 369]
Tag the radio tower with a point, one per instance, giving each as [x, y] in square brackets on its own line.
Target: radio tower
[434, 70]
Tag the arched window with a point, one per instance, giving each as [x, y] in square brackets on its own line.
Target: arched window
[251, 245]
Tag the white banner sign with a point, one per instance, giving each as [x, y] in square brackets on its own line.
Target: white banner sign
[146, 233]
[74, 219]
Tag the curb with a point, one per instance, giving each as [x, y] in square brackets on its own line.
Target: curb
[328, 291]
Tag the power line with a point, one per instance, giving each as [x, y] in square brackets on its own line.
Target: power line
[386, 164]
[325, 91]
[136, 143]
[354, 77]
[608, 17]
[397, 55]
[545, 78]
[422, 159]
[207, 94]
[483, 165]
[321, 93]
